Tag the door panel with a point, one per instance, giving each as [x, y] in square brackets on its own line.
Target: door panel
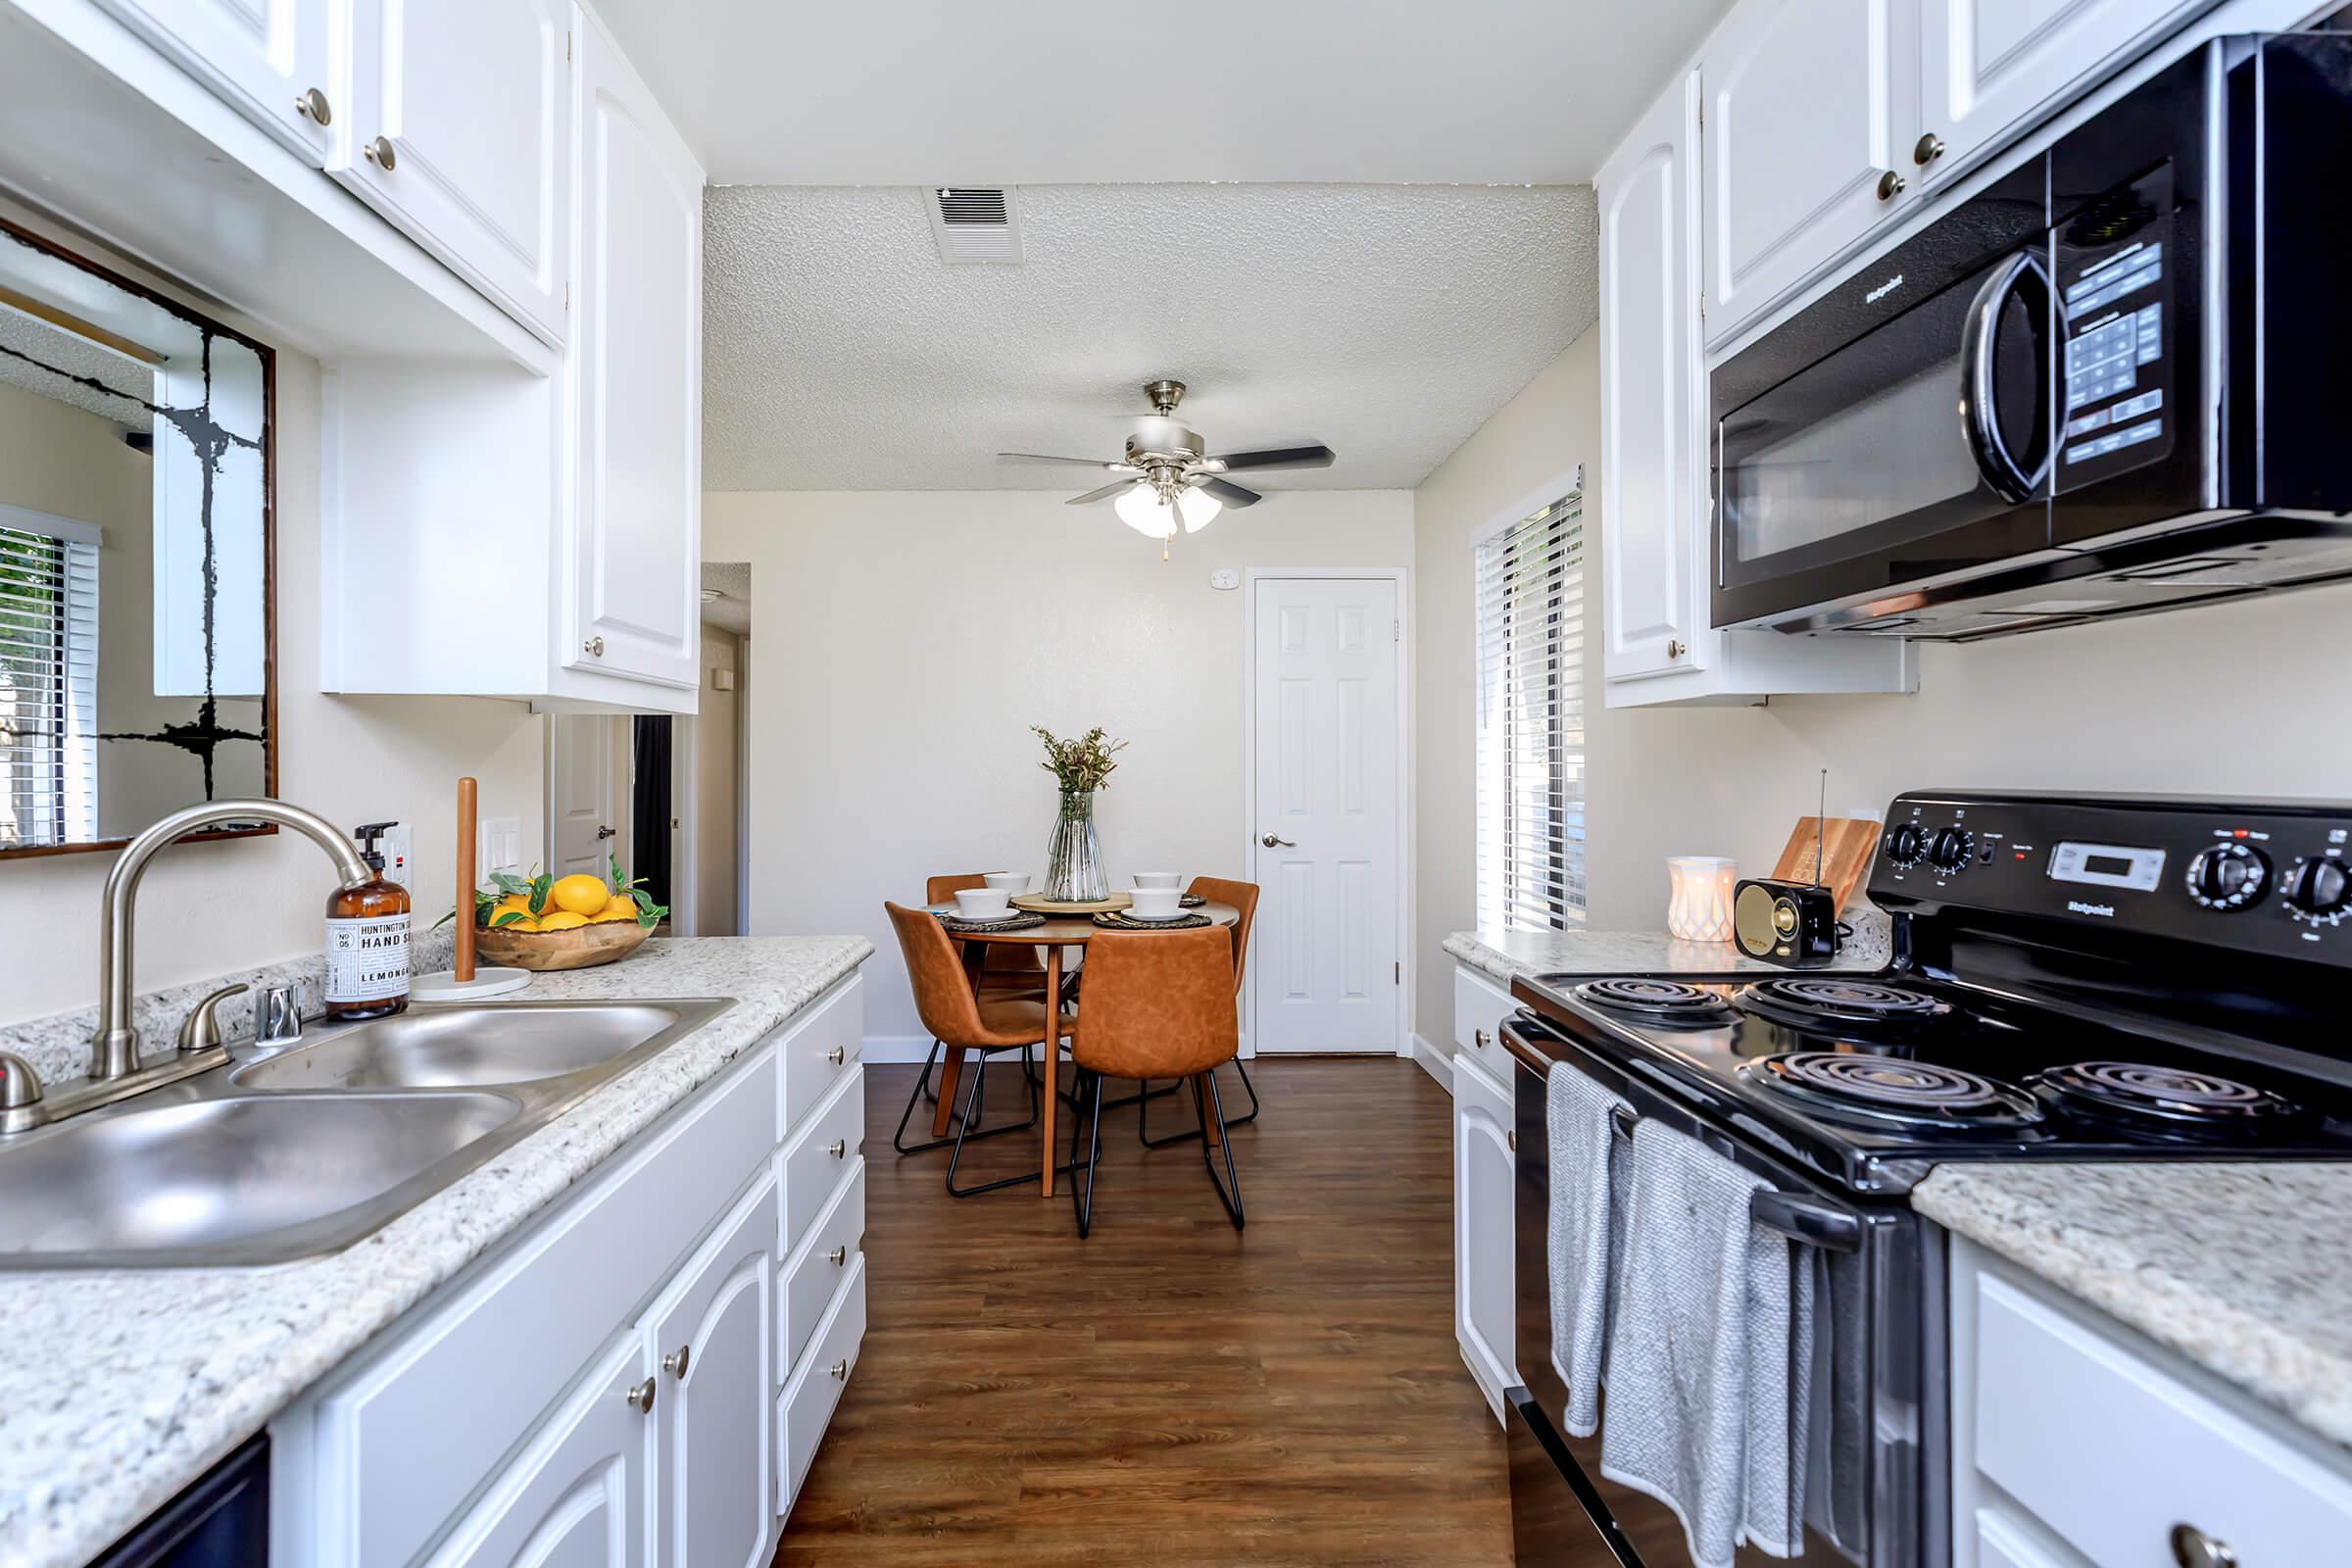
[581, 815]
[716, 1467]
[261, 56]
[1986, 64]
[1483, 1176]
[1326, 734]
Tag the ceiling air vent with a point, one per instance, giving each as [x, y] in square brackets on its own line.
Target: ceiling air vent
[974, 224]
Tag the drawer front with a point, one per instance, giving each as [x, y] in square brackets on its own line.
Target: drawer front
[818, 1051]
[2110, 1449]
[1478, 1007]
[414, 1433]
[818, 1156]
[808, 1402]
[813, 1273]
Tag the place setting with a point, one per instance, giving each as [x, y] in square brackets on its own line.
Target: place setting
[1156, 903]
[990, 907]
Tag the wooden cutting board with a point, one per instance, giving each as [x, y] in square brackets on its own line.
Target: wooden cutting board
[1846, 846]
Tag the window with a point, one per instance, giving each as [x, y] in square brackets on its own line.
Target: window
[48, 680]
[1531, 722]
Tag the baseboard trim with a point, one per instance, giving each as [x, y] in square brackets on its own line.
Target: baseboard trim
[1437, 1063]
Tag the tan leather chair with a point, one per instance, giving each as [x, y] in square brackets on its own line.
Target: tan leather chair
[962, 1020]
[1242, 896]
[1005, 967]
[1155, 1005]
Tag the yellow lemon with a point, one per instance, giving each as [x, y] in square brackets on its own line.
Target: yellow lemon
[561, 920]
[579, 893]
[629, 915]
[623, 906]
[527, 923]
[515, 903]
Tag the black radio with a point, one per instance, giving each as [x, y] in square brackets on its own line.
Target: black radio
[1795, 923]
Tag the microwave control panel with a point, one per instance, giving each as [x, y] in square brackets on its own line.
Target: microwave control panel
[2114, 270]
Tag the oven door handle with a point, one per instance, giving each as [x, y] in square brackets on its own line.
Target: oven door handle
[1805, 1219]
[1980, 417]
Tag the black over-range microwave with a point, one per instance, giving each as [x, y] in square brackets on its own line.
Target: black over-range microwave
[2117, 378]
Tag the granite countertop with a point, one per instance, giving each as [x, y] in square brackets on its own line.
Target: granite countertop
[1504, 955]
[128, 1384]
[2242, 1267]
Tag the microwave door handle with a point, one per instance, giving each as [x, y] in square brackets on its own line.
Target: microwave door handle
[1980, 419]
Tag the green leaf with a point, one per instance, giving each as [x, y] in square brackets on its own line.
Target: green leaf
[452, 916]
[539, 886]
[509, 882]
[510, 917]
[649, 913]
[613, 859]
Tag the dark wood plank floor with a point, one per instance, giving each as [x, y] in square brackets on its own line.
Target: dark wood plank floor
[1168, 1391]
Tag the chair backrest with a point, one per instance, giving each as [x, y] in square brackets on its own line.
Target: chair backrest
[1242, 896]
[1001, 956]
[1157, 1003]
[940, 888]
[943, 993]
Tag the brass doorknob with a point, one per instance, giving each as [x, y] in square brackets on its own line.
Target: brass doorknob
[641, 1397]
[1273, 842]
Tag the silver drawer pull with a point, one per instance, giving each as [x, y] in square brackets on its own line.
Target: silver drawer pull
[838, 1054]
[839, 1256]
[675, 1362]
[2194, 1549]
[840, 1371]
[838, 1149]
[641, 1397]
[1478, 1039]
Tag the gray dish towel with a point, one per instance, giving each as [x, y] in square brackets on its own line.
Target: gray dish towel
[1703, 1384]
[1585, 1234]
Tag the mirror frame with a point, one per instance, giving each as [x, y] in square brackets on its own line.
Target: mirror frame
[269, 360]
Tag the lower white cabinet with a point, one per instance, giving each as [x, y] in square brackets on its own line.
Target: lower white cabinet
[1482, 1230]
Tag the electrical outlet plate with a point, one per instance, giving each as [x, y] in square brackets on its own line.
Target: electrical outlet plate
[399, 844]
[501, 846]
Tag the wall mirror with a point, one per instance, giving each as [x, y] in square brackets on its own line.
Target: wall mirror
[137, 669]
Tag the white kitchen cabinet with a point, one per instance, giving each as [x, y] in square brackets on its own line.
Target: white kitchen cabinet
[1809, 116]
[460, 131]
[1482, 1230]
[633, 549]
[268, 58]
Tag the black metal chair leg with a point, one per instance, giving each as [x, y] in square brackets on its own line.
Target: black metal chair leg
[1142, 1118]
[1084, 1203]
[1239, 1067]
[966, 1130]
[1229, 1191]
[971, 1101]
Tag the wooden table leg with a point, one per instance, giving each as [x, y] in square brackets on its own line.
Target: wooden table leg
[950, 1073]
[1051, 1072]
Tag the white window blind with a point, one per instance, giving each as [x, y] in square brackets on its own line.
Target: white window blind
[48, 680]
[1531, 722]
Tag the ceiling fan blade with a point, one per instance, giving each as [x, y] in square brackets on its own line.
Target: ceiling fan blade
[1103, 494]
[1314, 457]
[1040, 457]
[1233, 495]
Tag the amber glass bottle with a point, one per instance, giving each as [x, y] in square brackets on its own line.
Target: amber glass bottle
[367, 941]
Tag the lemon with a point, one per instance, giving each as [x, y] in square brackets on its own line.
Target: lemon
[579, 893]
[611, 914]
[623, 906]
[515, 903]
[561, 920]
[527, 923]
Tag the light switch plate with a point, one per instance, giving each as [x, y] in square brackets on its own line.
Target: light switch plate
[501, 846]
[1223, 578]
[399, 844]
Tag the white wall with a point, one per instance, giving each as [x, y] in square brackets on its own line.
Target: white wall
[716, 738]
[2243, 700]
[906, 642]
[206, 909]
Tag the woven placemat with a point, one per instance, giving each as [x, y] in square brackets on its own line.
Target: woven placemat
[1192, 900]
[1120, 922]
[1011, 922]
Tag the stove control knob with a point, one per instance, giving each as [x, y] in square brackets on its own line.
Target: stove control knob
[1905, 843]
[2318, 889]
[2229, 876]
[1951, 848]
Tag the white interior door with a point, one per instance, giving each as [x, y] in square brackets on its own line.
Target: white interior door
[581, 798]
[1330, 874]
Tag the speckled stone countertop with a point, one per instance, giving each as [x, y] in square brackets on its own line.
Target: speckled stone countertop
[2244, 1268]
[125, 1385]
[1506, 956]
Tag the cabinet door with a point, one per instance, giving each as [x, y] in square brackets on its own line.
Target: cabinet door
[1653, 518]
[1810, 103]
[1482, 1231]
[574, 1497]
[266, 57]
[713, 1335]
[1986, 64]
[461, 134]
[634, 554]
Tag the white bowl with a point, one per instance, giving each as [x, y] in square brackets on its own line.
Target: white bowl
[1156, 900]
[1158, 879]
[1010, 883]
[982, 903]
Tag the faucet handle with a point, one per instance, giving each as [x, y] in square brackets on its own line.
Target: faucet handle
[200, 1030]
[21, 1108]
[278, 1021]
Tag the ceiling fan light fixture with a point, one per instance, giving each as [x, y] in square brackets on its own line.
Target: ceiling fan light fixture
[1141, 508]
[1198, 508]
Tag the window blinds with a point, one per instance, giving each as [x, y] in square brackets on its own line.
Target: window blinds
[1531, 722]
[48, 680]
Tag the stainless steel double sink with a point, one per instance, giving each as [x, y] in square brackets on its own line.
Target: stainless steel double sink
[300, 1151]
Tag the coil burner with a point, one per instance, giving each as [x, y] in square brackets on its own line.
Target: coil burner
[2168, 1102]
[1891, 1091]
[1824, 1004]
[1661, 1001]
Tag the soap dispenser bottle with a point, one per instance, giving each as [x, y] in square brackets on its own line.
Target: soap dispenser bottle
[368, 939]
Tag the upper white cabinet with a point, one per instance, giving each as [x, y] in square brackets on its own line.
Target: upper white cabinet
[633, 549]
[270, 58]
[460, 133]
[1809, 114]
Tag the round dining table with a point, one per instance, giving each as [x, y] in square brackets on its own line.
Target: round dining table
[1059, 932]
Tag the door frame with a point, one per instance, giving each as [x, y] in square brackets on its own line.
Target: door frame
[1402, 576]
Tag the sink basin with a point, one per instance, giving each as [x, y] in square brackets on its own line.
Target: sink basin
[468, 1047]
[242, 1180]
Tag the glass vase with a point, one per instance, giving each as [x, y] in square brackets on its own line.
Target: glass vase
[1074, 857]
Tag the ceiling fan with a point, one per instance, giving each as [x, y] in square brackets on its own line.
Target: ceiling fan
[1167, 479]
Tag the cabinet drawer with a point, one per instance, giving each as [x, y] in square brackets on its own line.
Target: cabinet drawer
[818, 1051]
[2110, 1449]
[811, 1275]
[818, 1155]
[806, 1404]
[1478, 1007]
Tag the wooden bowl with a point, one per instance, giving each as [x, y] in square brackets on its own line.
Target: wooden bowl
[583, 947]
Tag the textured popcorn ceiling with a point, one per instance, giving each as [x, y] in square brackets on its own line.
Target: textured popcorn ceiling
[1389, 321]
[47, 360]
[732, 610]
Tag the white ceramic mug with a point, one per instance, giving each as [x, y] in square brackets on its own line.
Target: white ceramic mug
[1157, 902]
[1158, 879]
[1013, 884]
[982, 903]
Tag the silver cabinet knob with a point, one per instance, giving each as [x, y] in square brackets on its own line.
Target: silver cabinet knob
[200, 1030]
[1478, 1038]
[641, 1397]
[1927, 149]
[312, 105]
[2194, 1549]
[379, 153]
[1675, 647]
[838, 1054]
[675, 1362]
[1891, 185]
[839, 1257]
[837, 1148]
[1273, 842]
[594, 647]
[840, 1371]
